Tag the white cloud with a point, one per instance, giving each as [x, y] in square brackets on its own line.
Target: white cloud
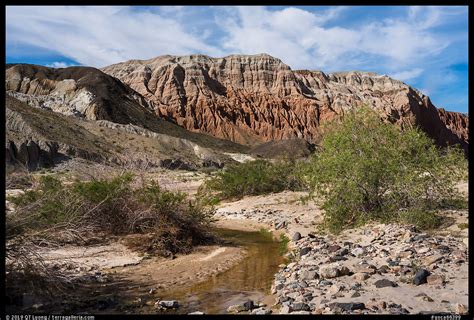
[59, 64]
[300, 38]
[407, 74]
[99, 36]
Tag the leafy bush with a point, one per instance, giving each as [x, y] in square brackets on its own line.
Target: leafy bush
[72, 212]
[367, 169]
[254, 178]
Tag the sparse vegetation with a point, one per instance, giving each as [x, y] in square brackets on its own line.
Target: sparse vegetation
[463, 226]
[284, 240]
[18, 179]
[74, 211]
[367, 170]
[150, 220]
[254, 178]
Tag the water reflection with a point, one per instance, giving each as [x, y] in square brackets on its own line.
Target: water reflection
[250, 279]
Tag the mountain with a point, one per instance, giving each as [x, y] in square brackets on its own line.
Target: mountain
[195, 111]
[57, 114]
[250, 99]
[37, 137]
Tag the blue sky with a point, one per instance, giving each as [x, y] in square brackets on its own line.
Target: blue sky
[425, 47]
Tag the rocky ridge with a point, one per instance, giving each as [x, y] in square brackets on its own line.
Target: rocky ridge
[254, 99]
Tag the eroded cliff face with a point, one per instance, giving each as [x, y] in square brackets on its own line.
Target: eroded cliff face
[78, 91]
[253, 99]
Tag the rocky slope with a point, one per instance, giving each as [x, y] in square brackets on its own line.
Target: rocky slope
[254, 99]
[80, 91]
[90, 94]
[37, 138]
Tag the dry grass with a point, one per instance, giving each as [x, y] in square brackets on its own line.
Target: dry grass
[53, 214]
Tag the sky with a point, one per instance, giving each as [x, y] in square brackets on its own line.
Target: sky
[425, 47]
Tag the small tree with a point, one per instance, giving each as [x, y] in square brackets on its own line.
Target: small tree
[367, 169]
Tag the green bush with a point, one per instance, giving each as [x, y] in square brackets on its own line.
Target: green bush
[254, 178]
[367, 169]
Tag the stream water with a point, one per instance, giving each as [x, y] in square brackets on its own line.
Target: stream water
[249, 279]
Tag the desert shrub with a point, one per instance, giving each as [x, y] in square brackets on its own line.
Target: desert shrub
[18, 179]
[254, 178]
[367, 169]
[112, 206]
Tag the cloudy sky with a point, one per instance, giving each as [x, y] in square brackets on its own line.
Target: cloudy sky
[426, 47]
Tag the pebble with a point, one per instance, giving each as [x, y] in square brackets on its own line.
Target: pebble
[460, 308]
[317, 275]
[169, 304]
[305, 251]
[329, 272]
[261, 311]
[357, 252]
[249, 305]
[296, 236]
[348, 306]
[432, 259]
[236, 308]
[309, 275]
[420, 277]
[361, 276]
[384, 283]
[334, 248]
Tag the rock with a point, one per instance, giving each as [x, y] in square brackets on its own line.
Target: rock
[347, 306]
[334, 248]
[285, 310]
[329, 272]
[435, 280]
[335, 288]
[300, 306]
[361, 276]
[420, 277]
[383, 269]
[384, 283]
[249, 305]
[460, 308]
[279, 286]
[343, 252]
[296, 236]
[357, 252]
[236, 308]
[432, 259]
[280, 225]
[344, 271]
[377, 305]
[309, 275]
[337, 258]
[305, 251]
[169, 304]
[196, 312]
[325, 283]
[355, 294]
[261, 311]
[407, 237]
[363, 269]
